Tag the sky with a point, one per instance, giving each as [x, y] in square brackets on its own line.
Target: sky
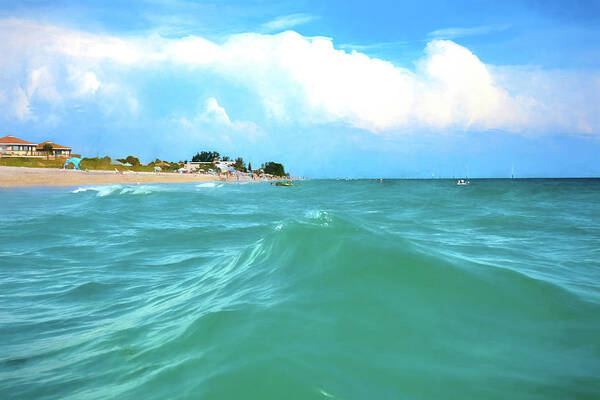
[330, 89]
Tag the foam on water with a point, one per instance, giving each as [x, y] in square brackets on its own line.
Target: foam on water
[319, 216]
[107, 190]
[136, 189]
[208, 185]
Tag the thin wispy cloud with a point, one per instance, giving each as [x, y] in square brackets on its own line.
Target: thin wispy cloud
[287, 21]
[456, 32]
[375, 46]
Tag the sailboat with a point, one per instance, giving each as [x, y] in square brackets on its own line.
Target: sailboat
[462, 182]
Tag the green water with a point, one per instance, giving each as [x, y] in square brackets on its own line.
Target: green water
[325, 290]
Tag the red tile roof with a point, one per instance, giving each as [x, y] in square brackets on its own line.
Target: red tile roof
[54, 146]
[13, 140]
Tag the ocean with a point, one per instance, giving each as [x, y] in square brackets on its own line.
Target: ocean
[331, 289]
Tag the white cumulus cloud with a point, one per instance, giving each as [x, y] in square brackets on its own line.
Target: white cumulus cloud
[306, 80]
[214, 115]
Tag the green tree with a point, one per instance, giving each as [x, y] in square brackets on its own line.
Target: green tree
[205, 156]
[47, 149]
[274, 168]
[133, 160]
[226, 158]
[129, 160]
[249, 167]
[239, 164]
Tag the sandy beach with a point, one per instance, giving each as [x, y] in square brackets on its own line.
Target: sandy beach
[21, 176]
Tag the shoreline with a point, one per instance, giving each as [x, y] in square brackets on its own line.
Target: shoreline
[11, 177]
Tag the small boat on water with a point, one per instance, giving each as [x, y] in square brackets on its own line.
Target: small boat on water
[462, 182]
[284, 183]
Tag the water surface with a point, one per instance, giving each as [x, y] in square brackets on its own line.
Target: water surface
[326, 290]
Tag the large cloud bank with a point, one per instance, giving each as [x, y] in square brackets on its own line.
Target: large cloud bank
[300, 80]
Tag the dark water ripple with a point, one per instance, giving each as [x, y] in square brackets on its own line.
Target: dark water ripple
[329, 289]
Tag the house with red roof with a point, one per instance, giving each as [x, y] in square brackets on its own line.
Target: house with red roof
[57, 150]
[11, 146]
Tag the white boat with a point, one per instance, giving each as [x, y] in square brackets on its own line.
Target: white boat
[462, 182]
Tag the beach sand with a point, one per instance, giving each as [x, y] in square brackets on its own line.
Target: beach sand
[21, 176]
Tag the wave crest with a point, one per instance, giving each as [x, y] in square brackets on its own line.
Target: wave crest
[107, 190]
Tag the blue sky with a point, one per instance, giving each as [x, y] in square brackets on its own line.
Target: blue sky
[337, 88]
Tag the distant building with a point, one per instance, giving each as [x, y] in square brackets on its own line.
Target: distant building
[58, 151]
[11, 146]
[225, 166]
[192, 166]
[217, 160]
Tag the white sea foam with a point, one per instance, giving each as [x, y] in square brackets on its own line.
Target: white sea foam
[140, 189]
[320, 216]
[315, 214]
[101, 191]
[208, 185]
[106, 190]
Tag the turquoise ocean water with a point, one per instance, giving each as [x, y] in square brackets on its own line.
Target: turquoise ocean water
[326, 290]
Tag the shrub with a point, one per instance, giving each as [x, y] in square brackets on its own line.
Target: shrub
[274, 168]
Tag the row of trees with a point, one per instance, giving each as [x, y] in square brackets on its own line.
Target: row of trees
[209, 156]
[205, 156]
[271, 167]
